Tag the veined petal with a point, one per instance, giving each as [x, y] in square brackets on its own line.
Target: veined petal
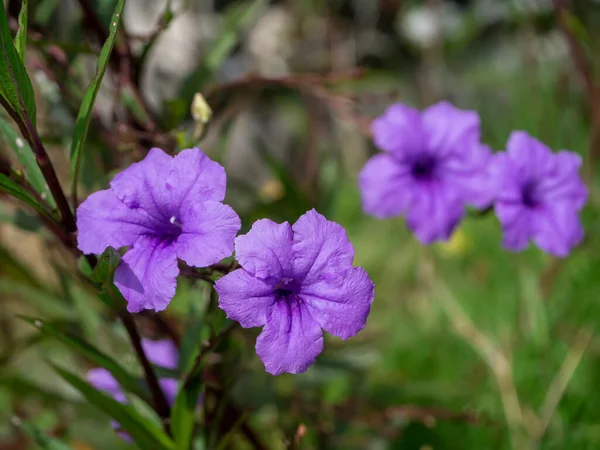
[147, 275]
[291, 339]
[143, 185]
[383, 186]
[266, 250]
[529, 157]
[340, 304]
[245, 298]
[103, 220]
[208, 231]
[319, 247]
[194, 177]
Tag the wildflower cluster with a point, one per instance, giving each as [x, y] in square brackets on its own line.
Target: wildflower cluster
[434, 166]
[297, 280]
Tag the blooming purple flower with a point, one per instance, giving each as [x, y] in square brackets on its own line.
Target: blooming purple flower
[296, 280]
[161, 353]
[434, 164]
[540, 194]
[164, 208]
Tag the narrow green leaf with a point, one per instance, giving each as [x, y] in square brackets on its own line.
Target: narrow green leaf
[89, 98]
[27, 158]
[43, 301]
[15, 86]
[143, 432]
[107, 264]
[13, 188]
[91, 353]
[183, 412]
[40, 437]
[21, 36]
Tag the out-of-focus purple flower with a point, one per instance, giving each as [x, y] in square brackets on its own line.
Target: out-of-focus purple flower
[432, 166]
[296, 280]
[164, 208]
[539, 195]
[161, 353]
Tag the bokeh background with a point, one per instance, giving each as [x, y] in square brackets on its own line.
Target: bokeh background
[468, 346]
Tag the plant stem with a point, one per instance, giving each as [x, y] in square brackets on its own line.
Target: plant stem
[161, 405]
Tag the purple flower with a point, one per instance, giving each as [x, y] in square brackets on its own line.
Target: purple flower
[161, 353]
[434, 164]
[540, 194]
[164, 208]
[296, 280]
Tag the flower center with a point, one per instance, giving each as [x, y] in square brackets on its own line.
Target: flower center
[423, 167]
[172, 229]
[530, 195]
[286, 288]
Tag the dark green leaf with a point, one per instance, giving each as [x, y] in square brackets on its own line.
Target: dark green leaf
[89, 98]
[144, 432]
[190, 341]
[21, 36]
[27, 159]
[16, 190]
[91, 353]
[40, 437]
[15, 86]
[107, 264]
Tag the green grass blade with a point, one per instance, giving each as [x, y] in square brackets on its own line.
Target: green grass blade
[89, 98]
[21, 36]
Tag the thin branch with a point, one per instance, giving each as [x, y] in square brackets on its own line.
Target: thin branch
[161, 405]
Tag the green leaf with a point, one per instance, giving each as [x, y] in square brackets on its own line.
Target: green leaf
[183, 411]
[40, 437]
[144, 432]
[91, 353]
[89, 98]
[16, 90]
[13, 188]
[27, 159]
[107, 264]
[43, 301]
[21, 36]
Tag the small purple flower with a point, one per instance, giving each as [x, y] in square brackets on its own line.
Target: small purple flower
[540, 194]
[296, 280]
[164, 208]
[434, 164]
[161, 353]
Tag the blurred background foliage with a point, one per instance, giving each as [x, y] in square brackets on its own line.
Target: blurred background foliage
[467, 347]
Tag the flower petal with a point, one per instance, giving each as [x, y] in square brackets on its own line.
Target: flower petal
[142, 185]
[558, 229]
[103, 220]
[265, 251]
[529, 157]
[383, 186]
[434, 213]
[147, 275]
[245, 298]
[517, 225]
[564, 182]
[170, 387]
[340, 304]
[399, 131]
[163, 353]
[208, 231]
[103, 380]
[319, 247]
[449, 128]
[291, 340]
[193, 176]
